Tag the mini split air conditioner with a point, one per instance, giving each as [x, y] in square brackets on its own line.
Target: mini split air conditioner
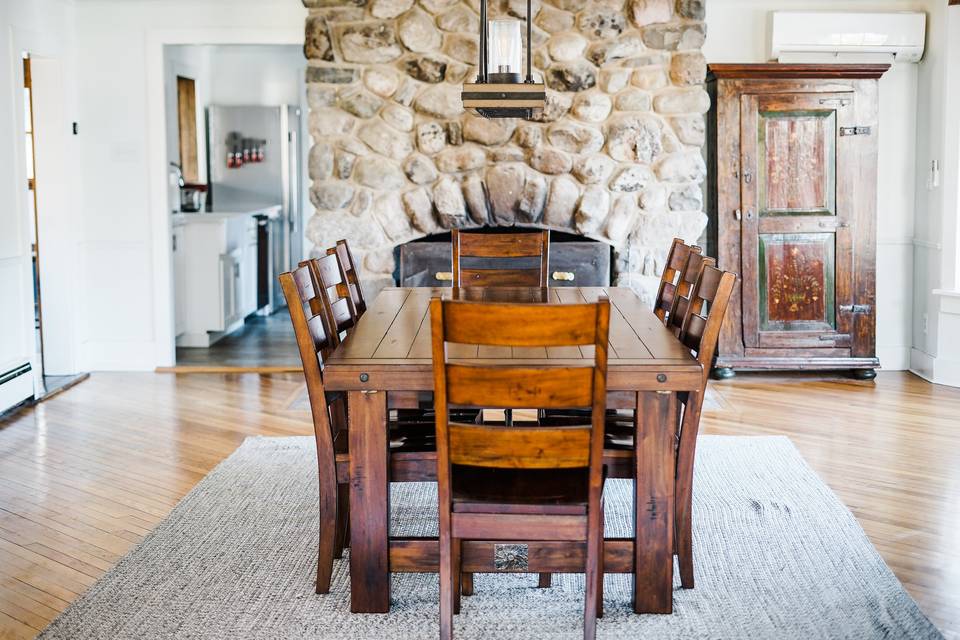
[804, 36]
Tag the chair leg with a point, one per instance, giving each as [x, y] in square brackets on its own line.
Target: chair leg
[343, 520]
[600, 572]
[683, 500]
[328, 534]
[457, 555]
[683, 531]
[446, 586]
[466, 584]
[593, 572]
[545, 581]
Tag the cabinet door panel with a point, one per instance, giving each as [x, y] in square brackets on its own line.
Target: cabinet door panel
[796, 241]
[796, 282]
[797, 150]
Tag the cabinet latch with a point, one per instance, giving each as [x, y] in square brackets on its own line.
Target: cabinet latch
[854, 131]
[855, 308]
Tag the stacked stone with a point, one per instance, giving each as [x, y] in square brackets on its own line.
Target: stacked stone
[614, 156]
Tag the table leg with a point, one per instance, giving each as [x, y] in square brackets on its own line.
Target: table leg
[653, 503]
[369, 502]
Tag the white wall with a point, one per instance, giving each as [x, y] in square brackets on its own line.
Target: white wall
[739, 31]
[257, 75]
[936, 353]
[128, 316]
[45, 29]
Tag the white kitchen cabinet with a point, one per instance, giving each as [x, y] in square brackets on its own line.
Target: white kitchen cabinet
[248, 277]
[179, 281]
[218, 288]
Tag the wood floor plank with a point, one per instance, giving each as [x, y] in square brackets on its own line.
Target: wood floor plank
[13, 629]
[85, 475]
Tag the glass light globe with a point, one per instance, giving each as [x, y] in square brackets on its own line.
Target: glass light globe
[505, 48]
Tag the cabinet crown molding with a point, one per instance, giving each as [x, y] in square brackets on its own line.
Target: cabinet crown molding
[769, 70]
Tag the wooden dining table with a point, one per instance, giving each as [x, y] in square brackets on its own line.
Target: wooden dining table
[387, 356]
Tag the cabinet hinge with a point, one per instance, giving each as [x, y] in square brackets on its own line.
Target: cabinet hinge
[856, 308]
[854, 131]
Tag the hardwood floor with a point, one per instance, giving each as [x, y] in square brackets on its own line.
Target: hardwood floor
[87, 474]
[265, 343]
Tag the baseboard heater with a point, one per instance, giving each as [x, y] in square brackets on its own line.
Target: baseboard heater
[16, 385]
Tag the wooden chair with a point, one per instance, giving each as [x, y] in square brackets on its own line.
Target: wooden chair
[348, 272]
[695, 263]
[699, 331]
[669, 282]
[519, 483]
[407, 403]
[334, 292]
[505, 248]
[315, 343]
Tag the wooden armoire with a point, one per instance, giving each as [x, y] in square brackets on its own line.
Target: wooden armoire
[792, 196]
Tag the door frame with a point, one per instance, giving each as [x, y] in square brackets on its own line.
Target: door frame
[160, 224]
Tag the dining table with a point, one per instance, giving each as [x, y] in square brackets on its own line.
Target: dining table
[387, 356]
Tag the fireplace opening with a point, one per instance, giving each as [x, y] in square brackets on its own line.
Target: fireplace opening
[575, 261]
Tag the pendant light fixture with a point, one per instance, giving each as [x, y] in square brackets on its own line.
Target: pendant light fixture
[501, 90]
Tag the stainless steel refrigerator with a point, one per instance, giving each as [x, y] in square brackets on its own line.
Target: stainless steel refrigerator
[254, 157]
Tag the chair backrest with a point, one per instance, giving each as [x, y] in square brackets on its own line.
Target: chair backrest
[696, 261]
[315, 344]
[506, 248]
[340, 313]
[348, 271]
[707, 309]
[669, 279]
[459, 384]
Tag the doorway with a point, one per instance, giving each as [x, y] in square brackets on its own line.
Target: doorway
[49, 381]
[235, 122]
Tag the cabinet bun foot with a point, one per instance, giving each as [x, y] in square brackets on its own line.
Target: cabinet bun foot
[723, 373]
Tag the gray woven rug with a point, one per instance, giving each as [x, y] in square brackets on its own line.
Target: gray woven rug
[778, 556]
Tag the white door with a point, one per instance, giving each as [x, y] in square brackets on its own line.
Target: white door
[57, 216]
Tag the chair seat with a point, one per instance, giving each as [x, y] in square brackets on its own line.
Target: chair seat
[521, 491]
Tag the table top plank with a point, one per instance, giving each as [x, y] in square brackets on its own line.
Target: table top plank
[494, 351]
[659, 341]
[399, 338]
[462, 351]
[365, 338]
[529, 353]
[623, 339]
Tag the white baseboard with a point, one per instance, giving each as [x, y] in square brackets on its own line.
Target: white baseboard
[894, 357]
[16, 384]
[933, 369]
[118, 356]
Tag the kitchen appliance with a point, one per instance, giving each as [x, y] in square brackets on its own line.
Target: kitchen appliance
[255, 160]
[191, 197]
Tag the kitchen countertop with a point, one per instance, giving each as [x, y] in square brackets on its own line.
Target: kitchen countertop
[226, 211]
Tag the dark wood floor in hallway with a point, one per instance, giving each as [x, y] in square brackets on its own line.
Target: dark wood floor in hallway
[266, 343]
[87, 474]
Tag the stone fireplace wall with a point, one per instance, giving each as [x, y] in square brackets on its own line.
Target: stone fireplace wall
[614, 156]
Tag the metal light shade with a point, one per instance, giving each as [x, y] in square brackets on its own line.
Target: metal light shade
[500, 90]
